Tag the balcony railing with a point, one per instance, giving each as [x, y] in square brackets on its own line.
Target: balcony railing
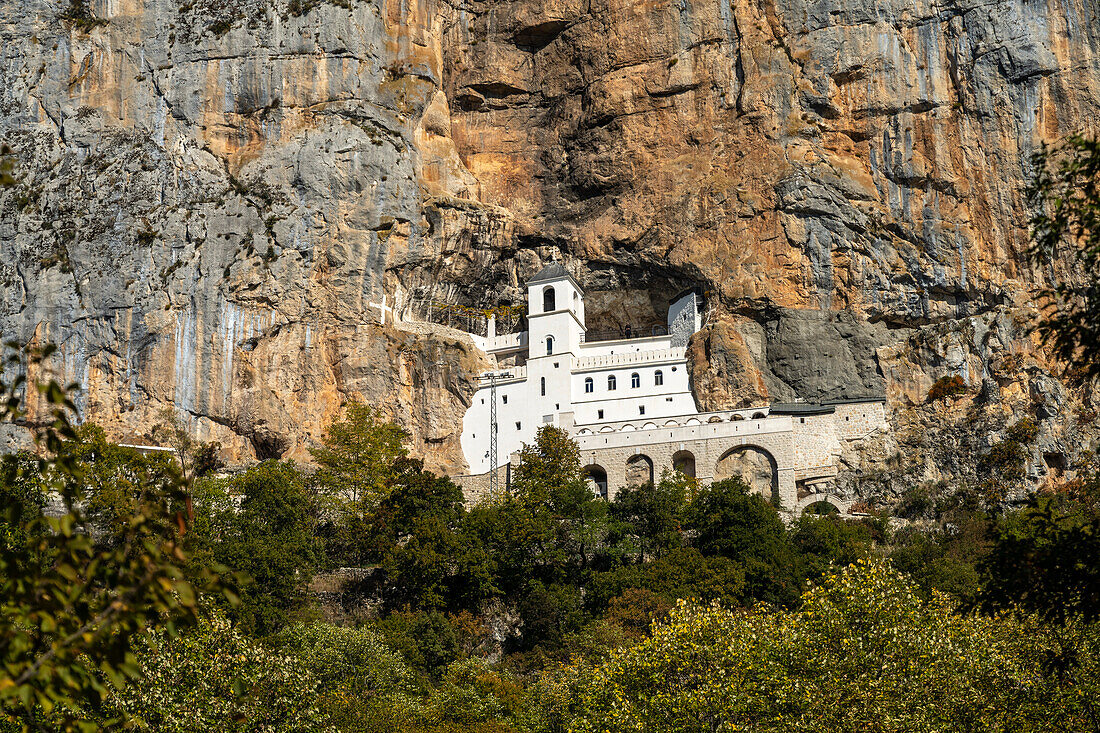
[626, 332]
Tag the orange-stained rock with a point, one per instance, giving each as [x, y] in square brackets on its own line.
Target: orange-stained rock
[214, 194]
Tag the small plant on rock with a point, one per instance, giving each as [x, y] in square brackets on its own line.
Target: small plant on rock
[945, 387]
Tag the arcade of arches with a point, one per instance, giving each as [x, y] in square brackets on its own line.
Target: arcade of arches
[755, 465]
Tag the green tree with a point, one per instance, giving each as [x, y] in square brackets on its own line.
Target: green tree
[654, 513]
[681, 573]
[863, 652]
[214, 678]
[431, 561]
[69, 606]
[1064, 196]
[355, 462]
[355, 470]
[269, 539]
[195, 457]
[364, 685]
[828, 540]
[1046, 557]
[731, 521]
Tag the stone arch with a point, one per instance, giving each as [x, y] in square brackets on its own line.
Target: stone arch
[758, 416]
[736, 417]
[821, 506]
[671, 423]
[639, 470]
[714, 418]
[684, 462]
[649, 426]
[842, 506]
[754, 464]
[627, 428]
[596, 477]
[693, 421]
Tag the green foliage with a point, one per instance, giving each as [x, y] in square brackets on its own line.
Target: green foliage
[828, 540]
[116, 479]
[69, 604]
[214, 678]
[363, 683]
[428, 640]
[945, 387]
[682, 573]
[7, 167]
[430, 561]
[652, 516]
[940, 562]
[195, 457]
[862, 653]
[268, 539]
[356, 460]
[355, 471]
[1064, 195]
[732, 522]
[1046, 558]
[80, 16]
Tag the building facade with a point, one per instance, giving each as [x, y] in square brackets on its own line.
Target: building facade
[555, 374]
[625, 398]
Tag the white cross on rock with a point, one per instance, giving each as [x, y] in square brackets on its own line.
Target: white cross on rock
[382, 308]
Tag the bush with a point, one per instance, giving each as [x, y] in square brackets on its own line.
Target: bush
[216, 679]
[945, 387]
[863, 653]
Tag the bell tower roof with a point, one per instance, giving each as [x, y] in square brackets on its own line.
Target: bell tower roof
[554, 271]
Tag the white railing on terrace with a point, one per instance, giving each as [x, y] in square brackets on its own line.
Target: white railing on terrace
[737, 417]
[517, 373]
[627, 358]
[506, 341]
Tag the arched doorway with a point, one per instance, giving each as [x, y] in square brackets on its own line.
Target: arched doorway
[755, 465]
[821, 507]
[596, 478]
[684, 462]
[639, 470]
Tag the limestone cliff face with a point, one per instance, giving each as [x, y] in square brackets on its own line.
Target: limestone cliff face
[213, 194]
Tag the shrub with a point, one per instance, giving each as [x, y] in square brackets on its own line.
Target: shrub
[215, 678]
[945, 387]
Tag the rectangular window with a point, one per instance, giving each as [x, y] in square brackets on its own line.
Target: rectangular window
[518, 426]
[599, 414]
[641, 409]
[504, 399]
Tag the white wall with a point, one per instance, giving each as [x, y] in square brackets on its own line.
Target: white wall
[673, 397]
[521, 400]
[517, 401]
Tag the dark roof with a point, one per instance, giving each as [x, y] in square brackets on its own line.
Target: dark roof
[800, 408]
[553, 271]
[854, 400]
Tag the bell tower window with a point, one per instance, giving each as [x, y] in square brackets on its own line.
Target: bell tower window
[549, 299]
[549, 345]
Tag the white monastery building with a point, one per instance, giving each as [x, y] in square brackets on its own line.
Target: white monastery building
[564, 380]
[626, 400]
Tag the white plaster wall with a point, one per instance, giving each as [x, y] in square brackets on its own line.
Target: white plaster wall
[672, 397]
[514, 404]
[625, 346]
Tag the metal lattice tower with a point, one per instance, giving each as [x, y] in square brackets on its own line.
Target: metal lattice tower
[492, 379]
